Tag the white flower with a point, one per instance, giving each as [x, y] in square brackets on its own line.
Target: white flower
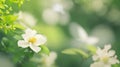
[100, 30]
[49, 60]
[104, 57]
[79, 33]
[56, 12]
[32, 40]
[99, 64]
[45, 60]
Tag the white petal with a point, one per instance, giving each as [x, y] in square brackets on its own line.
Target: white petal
[40, 39]
[113, 60]
[97, 64]
[26, 37]
[111, 53]
[107, 65]
[99, 51]
[23, 44]
[95, 57]
[30, 32]
[35, 48]
[107, 47]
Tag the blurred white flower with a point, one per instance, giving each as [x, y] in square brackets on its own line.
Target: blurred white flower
[114, 16]
[98, 6]
[56, 11]
[52, 17]
[32, 40]
[58, 8]
[100, 31]
[44, 60]
[104, 57]
[26, 19]
[50, 60]
[99, 64]
[65, 5]
[81, 35]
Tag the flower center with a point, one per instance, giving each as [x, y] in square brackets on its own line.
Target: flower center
[105, 59]
[32, 40]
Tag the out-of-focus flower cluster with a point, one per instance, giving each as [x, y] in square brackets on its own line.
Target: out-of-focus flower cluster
[56, 11]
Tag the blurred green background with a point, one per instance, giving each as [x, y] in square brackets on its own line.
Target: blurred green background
[99, 18]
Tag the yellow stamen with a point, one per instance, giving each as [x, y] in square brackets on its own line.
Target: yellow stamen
[105, 59]
[32, 40]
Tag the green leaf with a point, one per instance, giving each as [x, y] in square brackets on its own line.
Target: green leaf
[74, 51]
[116, 65]
[44, 50]
[2, 6]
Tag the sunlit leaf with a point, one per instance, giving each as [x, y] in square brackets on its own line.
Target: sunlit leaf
[19, 26]
[91, 48]
[44, 50]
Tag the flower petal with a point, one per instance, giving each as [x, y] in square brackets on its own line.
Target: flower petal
[95, 57]
[97, 64]
[107, 47]
[23, 44]
[30, 32]
[40, 39]
[35, 48]
[26, 37]
[111, 53]
[113, 60]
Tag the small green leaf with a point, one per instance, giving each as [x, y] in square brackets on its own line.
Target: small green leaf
[91, 48]
[69, 51]
[44, 50]
[74, 51]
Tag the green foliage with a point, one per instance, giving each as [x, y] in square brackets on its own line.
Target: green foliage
[8, 43]
[19, 2]
[84, 12]
[74, 51]
[7, 18]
